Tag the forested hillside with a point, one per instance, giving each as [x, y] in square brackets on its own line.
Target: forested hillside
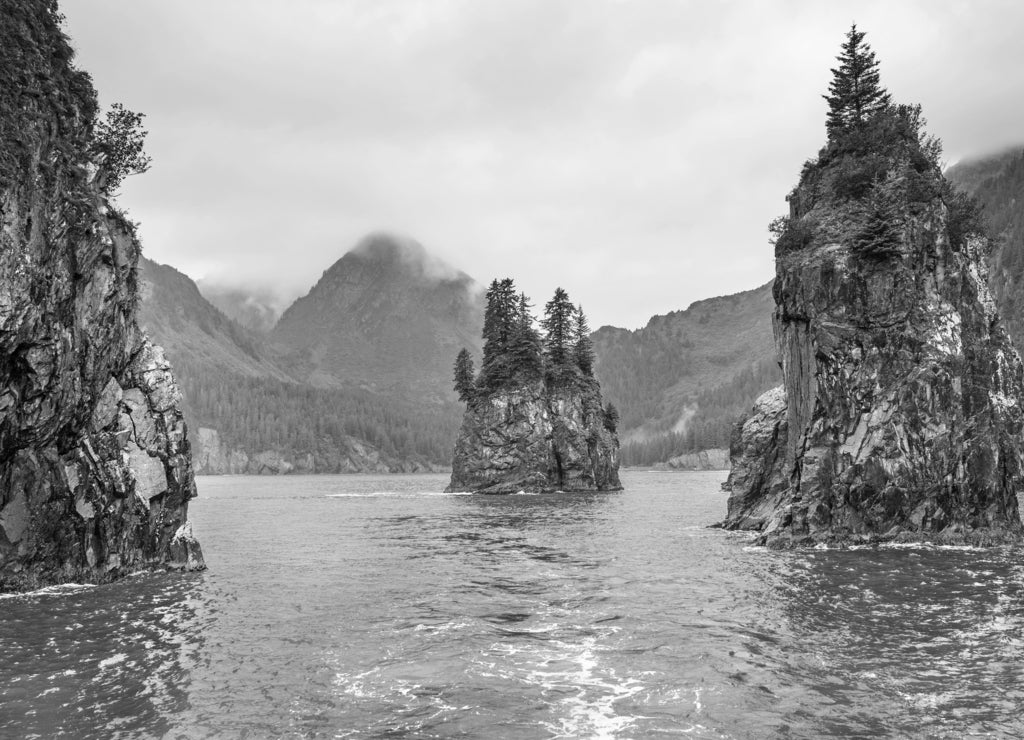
[682, 381]
[232, 384]
[365, 360]
[998, 184]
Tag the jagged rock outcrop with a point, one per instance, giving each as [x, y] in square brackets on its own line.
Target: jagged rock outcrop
[902, 392]
[758, 476]
[95, 469]
[536, 439]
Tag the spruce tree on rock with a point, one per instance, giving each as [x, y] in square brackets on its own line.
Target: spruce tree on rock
[558, 323]
[525, 352]
[464, 380]
[879, 236]
[499, 323]
[583, 348]
[611, 418]
[855, 93]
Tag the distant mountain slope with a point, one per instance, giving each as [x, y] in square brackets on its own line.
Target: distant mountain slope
[387, 317]
[256, 310]
[997, 181]
[682, 380]
[366, 357]
[251, 416]
[195, 334]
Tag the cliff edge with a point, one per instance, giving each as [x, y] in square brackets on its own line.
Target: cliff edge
[95, 467]
[899, 418]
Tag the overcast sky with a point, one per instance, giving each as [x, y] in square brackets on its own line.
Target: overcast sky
[631, 152]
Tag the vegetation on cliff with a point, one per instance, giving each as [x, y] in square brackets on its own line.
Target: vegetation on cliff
[95, 462]
[878, 168]
[534, 418]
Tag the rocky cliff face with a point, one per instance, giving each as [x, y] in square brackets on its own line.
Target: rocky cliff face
[531, 438]
[95, 469]
[900, 416]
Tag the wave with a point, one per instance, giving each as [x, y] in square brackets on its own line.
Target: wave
[61, 589]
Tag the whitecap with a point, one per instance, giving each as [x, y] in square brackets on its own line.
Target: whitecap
[61, 589]
[113, 660]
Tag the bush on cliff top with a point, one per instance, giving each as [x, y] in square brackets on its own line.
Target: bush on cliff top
[878, 167]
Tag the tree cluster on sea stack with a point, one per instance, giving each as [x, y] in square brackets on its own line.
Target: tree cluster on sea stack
[534, 418]
[514, 350]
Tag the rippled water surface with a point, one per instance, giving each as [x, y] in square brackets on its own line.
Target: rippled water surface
[379, 607]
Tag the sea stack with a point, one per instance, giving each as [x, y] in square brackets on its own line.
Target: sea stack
[534, 418]
[95, 467]
[900, 414]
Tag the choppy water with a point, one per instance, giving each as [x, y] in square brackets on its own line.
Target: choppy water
[378, 607]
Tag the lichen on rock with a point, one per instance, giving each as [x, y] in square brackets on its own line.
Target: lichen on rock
[900, 416]
[95, 470]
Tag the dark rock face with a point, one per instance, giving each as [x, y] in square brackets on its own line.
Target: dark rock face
[900, 416]
[903, 418]
[534, 439]
[95, 470]
[758, 477]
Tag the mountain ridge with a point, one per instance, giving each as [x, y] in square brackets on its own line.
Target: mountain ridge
[386, 316]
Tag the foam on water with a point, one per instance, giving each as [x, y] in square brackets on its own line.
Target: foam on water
[63, 589]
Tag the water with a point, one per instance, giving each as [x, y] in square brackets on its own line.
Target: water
[378, 607]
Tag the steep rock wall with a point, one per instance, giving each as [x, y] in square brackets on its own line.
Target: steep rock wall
[531, 438]
[902, 397]
[95, 470]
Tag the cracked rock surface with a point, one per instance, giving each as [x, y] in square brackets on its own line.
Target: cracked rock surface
[535, 439]
[95, 462]
[900, 414]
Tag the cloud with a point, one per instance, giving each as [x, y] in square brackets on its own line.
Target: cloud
[630, 152]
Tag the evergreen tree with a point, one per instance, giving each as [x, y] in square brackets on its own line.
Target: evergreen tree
[525, 354]
[119, 139]
[855, 93]
[880, 236]
[464, 384]
[499, 323]
[583, 348]
[611, 418]
[559, 330]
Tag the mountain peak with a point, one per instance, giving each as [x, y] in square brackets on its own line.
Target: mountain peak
[396, 254]
[387, 315]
